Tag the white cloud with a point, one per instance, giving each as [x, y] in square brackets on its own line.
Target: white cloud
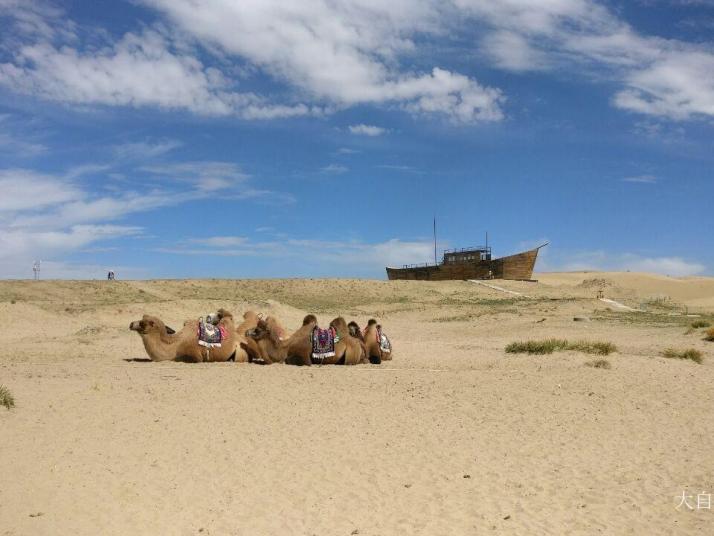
[22, 245]
[603, 261]
[344, 53]
[644, 179]
[144, 150]
[24, 189]
[513, 52]
[354, 253]
[335, 169]
[219, 241]
[49, 216]
[679, 86]
[207, 176]
[367, 130]
[337, 54]
[138, 70]
[666, 78]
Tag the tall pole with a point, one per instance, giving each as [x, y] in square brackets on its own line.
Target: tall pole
[435, 262]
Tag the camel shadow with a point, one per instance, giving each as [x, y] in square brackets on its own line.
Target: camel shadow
[138, 360]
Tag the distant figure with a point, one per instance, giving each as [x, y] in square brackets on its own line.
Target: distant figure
[110, 275]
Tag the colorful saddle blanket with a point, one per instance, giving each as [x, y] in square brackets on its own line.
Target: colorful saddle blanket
[210, 335]
[383, 341]
[323, 342]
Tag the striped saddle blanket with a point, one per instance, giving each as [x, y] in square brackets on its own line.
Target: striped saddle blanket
[383, 341]
[323, 342]
[210, 335]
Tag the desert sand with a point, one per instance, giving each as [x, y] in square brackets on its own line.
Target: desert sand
[454, 436]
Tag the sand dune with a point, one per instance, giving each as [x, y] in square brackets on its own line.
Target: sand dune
[452, 437]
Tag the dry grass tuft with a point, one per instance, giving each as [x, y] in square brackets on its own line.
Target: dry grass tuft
[709, 335]
[599, 363]
[548, 346]
[6, 398]
[700, 324]
[596, 347]
[691, 354]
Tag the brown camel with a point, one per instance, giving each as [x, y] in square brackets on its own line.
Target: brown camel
[372, 337]
[260, 347]
[297, 349]
[163, 344]
[247, 348]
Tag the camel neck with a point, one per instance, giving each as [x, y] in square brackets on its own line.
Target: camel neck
[160, 347]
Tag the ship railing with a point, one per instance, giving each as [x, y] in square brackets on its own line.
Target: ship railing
[419, 265]
[486, 249]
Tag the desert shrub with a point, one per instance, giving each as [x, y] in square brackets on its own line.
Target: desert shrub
[593, 347]
[599, 363]
[691, 354]
[548, 346]
[6, 398]
[709, 336]
[700, 324]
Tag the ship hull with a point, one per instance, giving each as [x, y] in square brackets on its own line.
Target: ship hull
[519, 266]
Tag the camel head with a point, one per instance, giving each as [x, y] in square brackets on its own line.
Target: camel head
[309, 319]
[339, 324]
[371, 322]
[266, 329]
[355, 330]
[251, 315]
[219, 315]
[150, 324]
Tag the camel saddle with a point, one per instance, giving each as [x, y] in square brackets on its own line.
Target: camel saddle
[323, 343]
[209, 334]
[383, 341]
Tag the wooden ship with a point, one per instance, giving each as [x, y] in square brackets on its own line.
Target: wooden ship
[471, 263]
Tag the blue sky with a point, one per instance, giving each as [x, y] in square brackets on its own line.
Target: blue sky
[225, 138]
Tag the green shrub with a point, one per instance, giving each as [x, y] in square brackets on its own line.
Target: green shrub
[700, 324]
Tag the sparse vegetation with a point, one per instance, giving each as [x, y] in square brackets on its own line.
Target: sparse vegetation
[700, 324]
[647, 318]
[590, 347]
[6, 398]
[691, 353]
[709, 336]
[548, 346]
[599, 363]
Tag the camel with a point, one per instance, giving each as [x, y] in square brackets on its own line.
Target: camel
[297, 349]
[163, 344]
[247, 348]
[372, 337]
[260, 348]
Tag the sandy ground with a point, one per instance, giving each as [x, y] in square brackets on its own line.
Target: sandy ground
[454, 436]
